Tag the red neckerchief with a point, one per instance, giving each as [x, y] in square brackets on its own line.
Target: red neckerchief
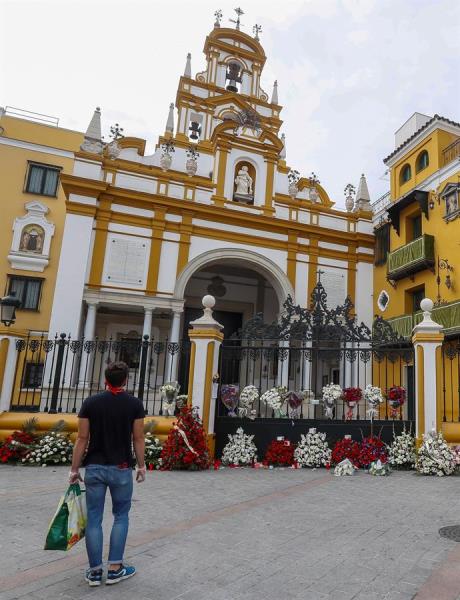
[114, 389]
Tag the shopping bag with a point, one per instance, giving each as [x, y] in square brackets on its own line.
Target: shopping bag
[68, 525]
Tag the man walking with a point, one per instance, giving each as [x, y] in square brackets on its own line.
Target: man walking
[112, 422]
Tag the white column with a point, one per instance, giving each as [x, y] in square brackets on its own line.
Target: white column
[8, 375]
[89, 333]
[147, 328]
[283, 365]
[71, 275]
[172, 360]
[426, 335]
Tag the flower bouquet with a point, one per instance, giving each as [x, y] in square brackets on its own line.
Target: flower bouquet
[372, 449]
[402, 453]
[16, 446]
[280, 453]
[294, 405]
[379, 468]
[240, 450]
[152, 452]
[186, 447]
[346, 448]
[396, 398]
[331, 393]
[274, 398]
[373, 398]
[248, 396]
[229, 398]
[434, 456]
[351, 397]
[345, 467]
[52, 449]
[181, 400]
[169, 393]
[312, 450]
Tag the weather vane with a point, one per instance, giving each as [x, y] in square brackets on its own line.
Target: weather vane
[256, 30]
[239, 12]
[218, 15]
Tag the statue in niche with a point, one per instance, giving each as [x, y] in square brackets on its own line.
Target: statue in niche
[32, 239]
[243, 182]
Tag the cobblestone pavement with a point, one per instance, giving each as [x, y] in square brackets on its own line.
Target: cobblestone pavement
[243, 534]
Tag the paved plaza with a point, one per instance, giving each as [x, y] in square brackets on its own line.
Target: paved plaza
[247, 534]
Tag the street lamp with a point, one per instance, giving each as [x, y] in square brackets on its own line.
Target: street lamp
[8, 306]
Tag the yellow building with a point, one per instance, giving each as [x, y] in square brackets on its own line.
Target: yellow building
[417, 228]
[34, 153]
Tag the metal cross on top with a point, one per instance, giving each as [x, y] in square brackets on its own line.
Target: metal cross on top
[239, 12]
[256, 30]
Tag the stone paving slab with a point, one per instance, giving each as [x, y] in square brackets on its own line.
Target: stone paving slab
[244, 534]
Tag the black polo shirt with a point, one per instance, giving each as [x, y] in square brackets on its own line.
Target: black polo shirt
[111, 418]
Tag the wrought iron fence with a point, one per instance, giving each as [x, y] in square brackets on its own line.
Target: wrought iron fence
[308, 348]
[57, 375]
[306, 368]
[450, 401]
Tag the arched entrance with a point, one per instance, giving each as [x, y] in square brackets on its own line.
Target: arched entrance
[244, 284]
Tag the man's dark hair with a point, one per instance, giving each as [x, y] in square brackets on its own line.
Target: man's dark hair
[116, 373]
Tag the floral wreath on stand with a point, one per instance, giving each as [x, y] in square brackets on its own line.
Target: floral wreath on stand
[396, 398]
[248, 396]
[351, 396]
[274, 398]
[331, 393]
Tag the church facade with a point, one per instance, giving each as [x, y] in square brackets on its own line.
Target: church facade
[215, 209]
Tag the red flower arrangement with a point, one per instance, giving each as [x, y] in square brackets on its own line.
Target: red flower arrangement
[280, 453]
[351, 395]
[372, 449]
[396, 398]
[16, 446]
[186, 446]
[346, 448]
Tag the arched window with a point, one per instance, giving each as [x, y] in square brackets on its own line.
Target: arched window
[406, 174]
[423, 160]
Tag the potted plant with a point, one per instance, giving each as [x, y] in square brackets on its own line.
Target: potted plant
[191, 165]
[293, 178]
[167, 149]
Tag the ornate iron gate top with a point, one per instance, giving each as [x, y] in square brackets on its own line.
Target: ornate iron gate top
[318, 322]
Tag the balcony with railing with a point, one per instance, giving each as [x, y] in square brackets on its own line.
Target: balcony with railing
[451, 152]
[447, 315]
[411, 258]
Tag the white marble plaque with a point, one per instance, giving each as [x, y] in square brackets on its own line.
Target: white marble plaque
[126, 262]
[335, 284]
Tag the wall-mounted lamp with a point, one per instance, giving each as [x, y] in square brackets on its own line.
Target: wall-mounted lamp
[443, 264]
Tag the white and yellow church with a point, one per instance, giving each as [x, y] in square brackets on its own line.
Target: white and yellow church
[215, 209]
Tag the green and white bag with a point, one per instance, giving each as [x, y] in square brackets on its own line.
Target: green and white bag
[68, 525]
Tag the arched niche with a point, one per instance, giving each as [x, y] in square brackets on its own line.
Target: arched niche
[244, 182]
[32, 239]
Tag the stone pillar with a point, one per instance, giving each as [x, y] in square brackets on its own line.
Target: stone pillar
[172, 359]
[427, 339]
[8, 374]
[88, 335]
[206, 337]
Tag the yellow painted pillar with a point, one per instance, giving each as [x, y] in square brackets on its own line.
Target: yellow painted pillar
[100, 240]
[427, 338]
[269, 184]
[206, 337]
[313, 251]
[292, 259]
[158, 228]
[185, 229]
[219, 196]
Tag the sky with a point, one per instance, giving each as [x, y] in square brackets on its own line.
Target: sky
[350, 72]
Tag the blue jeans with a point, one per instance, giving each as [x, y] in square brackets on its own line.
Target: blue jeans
[120, 483]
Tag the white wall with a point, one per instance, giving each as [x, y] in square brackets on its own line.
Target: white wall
[70, 281]
[364, 299]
